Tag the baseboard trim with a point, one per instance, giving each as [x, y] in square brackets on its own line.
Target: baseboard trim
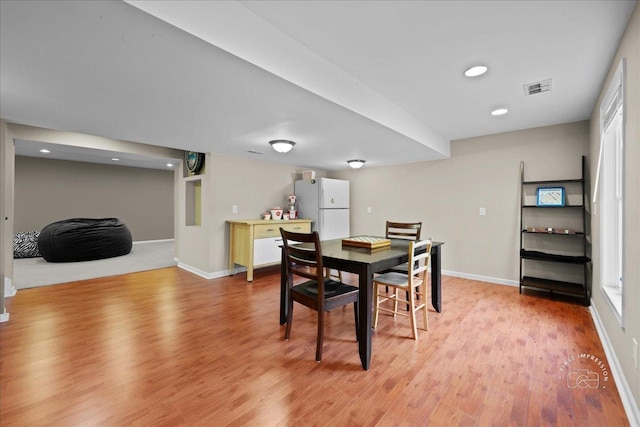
[9, 290]
[224, 273]
[479, 278]
[154, 241]
[204, 274]
[628, 401]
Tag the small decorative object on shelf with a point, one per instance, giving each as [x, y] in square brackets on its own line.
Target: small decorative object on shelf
[550, 197]
[548, 230]
[293, 212]
[564, 231]
[276, 213]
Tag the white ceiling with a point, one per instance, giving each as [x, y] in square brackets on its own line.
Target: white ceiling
[377, 80]
[81, 154]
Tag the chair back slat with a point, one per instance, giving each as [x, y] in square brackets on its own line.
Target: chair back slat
[303, 258]
[403, 230]
[419, 256]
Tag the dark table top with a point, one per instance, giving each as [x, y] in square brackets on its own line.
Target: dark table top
[334, 250]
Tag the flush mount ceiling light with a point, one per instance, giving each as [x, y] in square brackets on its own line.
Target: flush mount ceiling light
[476, 70]
[115, 159]
[499, 112]
[44, 150]
[282, 145]
[356, 164]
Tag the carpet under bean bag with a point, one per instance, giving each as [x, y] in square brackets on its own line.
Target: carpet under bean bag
[84, 239]
[25, 244]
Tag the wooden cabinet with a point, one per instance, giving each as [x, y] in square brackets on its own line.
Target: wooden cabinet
[256, 243]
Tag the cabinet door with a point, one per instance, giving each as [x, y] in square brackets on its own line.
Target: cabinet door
[334, 194]
[267, 250]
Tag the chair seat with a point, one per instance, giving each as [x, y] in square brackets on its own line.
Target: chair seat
[404, 268]
[398, 280]
[331, 288]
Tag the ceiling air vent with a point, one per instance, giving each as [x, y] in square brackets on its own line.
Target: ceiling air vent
[537, 87]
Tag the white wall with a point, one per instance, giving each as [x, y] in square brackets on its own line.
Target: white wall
[446, 195]
[254, 186]
[48, 190]
[621, 339]
[6, 216]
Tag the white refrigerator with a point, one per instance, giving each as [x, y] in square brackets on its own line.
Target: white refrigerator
[326, 202]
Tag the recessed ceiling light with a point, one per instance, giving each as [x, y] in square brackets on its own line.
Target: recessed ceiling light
[44, 150]
[499, 112]
[169, 165]
[115, 159]
[476, 70]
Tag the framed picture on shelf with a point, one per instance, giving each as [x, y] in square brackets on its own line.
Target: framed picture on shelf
[550, 197]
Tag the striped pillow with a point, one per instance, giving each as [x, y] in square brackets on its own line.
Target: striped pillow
[25, 244]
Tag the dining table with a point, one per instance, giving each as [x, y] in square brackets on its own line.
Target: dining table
[364, 262]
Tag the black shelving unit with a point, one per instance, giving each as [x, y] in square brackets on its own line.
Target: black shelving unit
[552, 236]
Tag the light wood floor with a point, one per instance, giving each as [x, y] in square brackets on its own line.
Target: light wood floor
[165, 348]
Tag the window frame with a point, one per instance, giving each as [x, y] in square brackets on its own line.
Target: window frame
[611, 189]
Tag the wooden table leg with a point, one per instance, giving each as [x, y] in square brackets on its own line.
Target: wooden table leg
[436, 279]
[366, 307]
[283, 291]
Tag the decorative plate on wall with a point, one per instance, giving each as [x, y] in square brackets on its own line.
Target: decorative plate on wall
[194, 161]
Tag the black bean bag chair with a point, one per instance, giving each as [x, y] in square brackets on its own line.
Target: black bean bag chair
[84, 239]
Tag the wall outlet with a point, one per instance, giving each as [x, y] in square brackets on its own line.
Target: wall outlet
[483, 211]
[369, 209]
[635, 352]
[234, 209]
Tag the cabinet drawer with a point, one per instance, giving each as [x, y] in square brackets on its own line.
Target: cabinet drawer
[298, 227]
[261, 231]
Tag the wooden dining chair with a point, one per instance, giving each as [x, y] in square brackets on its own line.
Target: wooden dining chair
[405, 231]
[303, 258]
[413, 283]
